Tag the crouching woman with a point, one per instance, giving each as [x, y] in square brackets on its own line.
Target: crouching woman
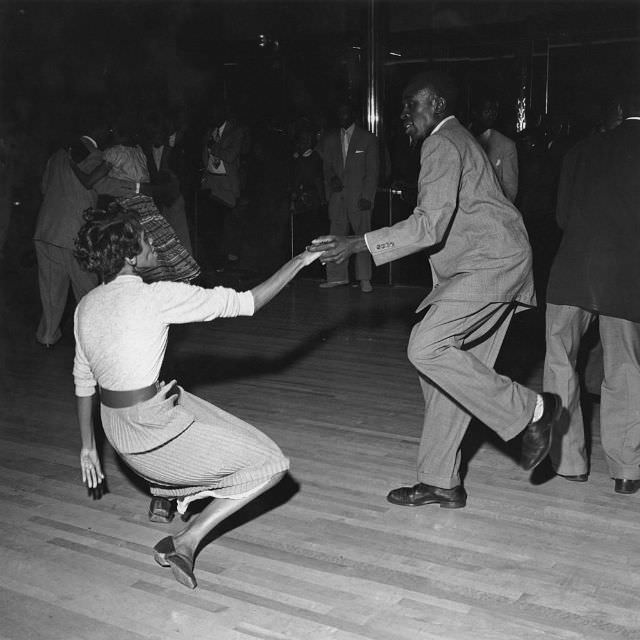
[185, 447]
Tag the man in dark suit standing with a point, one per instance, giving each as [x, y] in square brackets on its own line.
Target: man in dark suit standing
[222, 148]
[350, 165]
[165, 187]
[596, 273]
[481, 263]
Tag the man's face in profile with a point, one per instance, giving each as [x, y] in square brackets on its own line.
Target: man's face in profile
[419, 114]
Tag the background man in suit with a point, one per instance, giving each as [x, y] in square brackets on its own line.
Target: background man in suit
[596, 273]
[481, 264]
[65, 198]
[165, 186]
[501, 150]
[350, 166]
[223, 145]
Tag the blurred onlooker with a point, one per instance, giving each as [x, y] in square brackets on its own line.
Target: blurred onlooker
[22, 157]
[307, 191]
[596, 274]
[350, 166]
[222, 148]
[501, 150]
[264, 212]
[536, 201]
[7, 170]
[158, 147]
[126, 157]
[65, 199]
[610, 114]
[129, 162]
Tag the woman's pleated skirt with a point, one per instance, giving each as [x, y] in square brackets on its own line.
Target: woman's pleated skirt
[193, 447]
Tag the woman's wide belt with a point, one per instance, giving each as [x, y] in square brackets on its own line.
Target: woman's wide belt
[123, 399]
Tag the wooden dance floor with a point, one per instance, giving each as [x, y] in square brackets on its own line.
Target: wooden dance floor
[323, 556]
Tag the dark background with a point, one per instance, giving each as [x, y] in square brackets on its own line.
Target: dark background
[276, 62]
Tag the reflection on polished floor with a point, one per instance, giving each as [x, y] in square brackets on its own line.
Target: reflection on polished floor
[323, 555]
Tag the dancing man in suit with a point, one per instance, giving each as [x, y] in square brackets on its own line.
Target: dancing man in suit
[350, 166]
[481, 264]
[596, 273]
[65, 199]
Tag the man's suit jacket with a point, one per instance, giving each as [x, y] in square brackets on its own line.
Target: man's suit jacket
[503, 155]
[165, 161]
[65, 199]
[228, 149]
[359, 174]
[480, 249]
[597, 266]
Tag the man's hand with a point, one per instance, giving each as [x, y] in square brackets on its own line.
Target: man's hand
[336, 184]
[364, 204]
[336, 248]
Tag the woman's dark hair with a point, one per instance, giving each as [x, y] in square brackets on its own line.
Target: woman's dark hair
[105, 239]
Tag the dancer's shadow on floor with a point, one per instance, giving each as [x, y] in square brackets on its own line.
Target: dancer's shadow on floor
[209, 368]
[269, 500]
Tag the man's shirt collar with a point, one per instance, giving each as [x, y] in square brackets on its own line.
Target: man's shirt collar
[439, 125]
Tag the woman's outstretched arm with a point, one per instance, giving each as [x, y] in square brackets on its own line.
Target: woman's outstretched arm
[271, 287]
[89, 179]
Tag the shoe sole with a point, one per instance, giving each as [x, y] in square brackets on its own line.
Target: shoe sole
[443, 505]
[626, 493]
[557, 412]
[181, 570]
[154, 517]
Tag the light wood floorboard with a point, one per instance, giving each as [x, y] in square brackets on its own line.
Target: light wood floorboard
[324, 556]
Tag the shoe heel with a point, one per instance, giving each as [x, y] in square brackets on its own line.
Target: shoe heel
[452, 505]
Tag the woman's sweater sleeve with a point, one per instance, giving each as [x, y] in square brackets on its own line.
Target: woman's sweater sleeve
[179, 303]
[83, 378]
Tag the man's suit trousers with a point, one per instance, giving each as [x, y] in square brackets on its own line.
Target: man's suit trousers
[619, 397]
[360, 222]
[57, 267]
[454, 349]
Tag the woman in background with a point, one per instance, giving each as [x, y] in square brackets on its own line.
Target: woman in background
[126, 160]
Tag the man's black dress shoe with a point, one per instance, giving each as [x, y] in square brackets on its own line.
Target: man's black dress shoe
[420, 494]
[581, 477]
[623, 485]
[536, 441]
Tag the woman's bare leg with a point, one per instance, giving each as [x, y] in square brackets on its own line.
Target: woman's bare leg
[187, 541]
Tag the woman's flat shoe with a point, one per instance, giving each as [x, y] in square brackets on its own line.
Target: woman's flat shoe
[182, 568]
[160, 551]
[165, 554]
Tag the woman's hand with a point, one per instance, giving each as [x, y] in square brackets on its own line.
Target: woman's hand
[337, 248]
[307, 257]
[92, 474]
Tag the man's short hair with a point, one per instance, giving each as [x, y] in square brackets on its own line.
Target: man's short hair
[441, 83]
[483, 96]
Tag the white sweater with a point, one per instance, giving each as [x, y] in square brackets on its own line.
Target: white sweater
[121, 328]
